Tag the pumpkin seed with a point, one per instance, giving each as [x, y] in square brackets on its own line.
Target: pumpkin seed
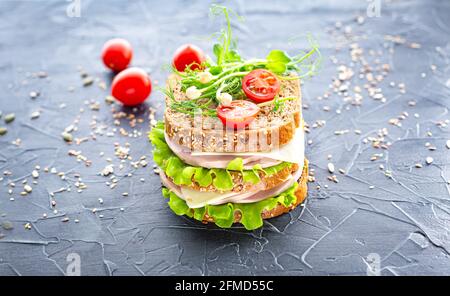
[10, 117]
[88, 81]
[3, 131]
[7, 225]
[67, 137]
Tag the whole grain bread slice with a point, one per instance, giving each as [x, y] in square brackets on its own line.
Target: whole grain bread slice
[273, 127]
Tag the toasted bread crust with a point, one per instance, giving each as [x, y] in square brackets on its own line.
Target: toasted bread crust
[267, 182]
[301, 193]
[269, 130]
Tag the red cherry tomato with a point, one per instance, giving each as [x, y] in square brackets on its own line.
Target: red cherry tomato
[188, 55]
[238, 114]
[131, 86]
[260, 85]
[117, 54]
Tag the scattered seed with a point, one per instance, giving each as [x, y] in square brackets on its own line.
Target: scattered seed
[3, 131]
[109, 169]
[27, 226]
[330, 167]
[418, 165]
[125, 194]
[34, 94]
[27, 188]
[88, 81]
[35, 114]
[35, 174]
[65, 219]
[429, 160]
[447, 144]
[109, 100]
[42, 74]
[10, 117]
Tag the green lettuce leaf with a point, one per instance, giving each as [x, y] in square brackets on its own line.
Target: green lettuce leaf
[251, 177]
[178, 205]
[276, 168]
[224, 214]
[199, 213]
[236, 164]
[288, 197]
[222, 179]
[203, 176]
[251, 213]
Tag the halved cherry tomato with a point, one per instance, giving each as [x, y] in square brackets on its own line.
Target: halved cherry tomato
[117, 54]
[260, 85]
[238, 114]
[131, 86]
[188, 55]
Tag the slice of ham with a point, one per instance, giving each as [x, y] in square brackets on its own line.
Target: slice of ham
[245, 197]
[217, 161]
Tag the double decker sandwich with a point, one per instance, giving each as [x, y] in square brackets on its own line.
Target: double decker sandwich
[231, 146]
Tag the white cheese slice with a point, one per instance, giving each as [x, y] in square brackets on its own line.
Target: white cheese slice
[294, 151]
[197, 199]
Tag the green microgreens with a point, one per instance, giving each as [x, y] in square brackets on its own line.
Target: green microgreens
[191, 107]
[229, 68]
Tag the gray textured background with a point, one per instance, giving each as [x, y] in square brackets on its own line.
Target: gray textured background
[405, 219]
